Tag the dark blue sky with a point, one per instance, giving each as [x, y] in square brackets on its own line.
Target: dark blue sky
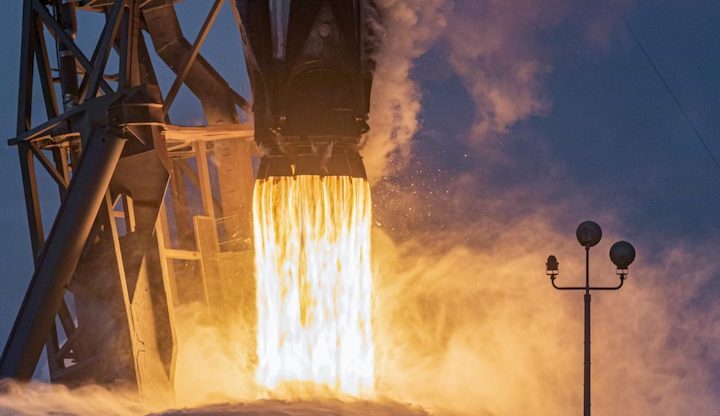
[613, 140]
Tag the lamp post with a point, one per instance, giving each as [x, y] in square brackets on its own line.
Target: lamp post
[622, 254]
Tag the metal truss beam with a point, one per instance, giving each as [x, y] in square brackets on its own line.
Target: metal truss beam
[91, 83]
[52, 170]
[60, 256]
[60, 34]
[194, 52]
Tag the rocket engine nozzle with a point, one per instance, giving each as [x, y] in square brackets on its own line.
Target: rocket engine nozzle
[322, 157]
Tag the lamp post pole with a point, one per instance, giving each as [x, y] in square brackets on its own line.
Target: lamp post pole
[622, 254]
[586, 362]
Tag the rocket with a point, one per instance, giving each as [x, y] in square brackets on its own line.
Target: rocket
[310, 64]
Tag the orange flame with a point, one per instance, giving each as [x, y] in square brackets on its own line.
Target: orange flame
[314, 282]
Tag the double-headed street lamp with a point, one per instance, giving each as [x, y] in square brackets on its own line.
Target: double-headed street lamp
[622, 254]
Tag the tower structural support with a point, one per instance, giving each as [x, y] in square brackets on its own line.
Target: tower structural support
[108, 274]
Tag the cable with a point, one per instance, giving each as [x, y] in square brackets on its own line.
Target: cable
[672, 94]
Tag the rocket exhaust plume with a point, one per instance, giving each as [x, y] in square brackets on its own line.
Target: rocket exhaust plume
[314, 282]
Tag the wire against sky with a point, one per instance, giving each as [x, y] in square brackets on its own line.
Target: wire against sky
[672, 94]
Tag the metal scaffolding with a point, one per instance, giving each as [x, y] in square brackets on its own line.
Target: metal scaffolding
[122, 252]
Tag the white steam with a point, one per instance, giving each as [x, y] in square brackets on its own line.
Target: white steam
[406, 31]
[39, 399]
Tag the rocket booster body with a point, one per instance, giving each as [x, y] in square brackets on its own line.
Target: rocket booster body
[310, 66]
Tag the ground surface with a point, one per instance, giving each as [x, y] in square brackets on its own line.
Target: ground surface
[307, 408]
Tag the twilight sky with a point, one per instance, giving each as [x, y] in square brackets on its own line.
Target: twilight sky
[552, 110]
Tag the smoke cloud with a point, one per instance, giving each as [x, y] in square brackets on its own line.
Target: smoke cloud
[468, 324]
[500, 49]
[39, 399]
[493, 47]
[406, 31]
